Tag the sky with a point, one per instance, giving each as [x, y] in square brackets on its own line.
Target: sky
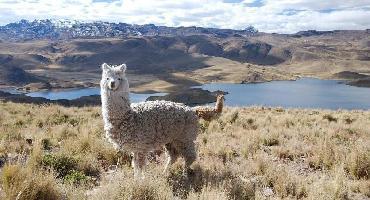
[278, 16]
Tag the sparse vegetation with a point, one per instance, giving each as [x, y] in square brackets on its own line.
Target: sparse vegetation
[53, 152]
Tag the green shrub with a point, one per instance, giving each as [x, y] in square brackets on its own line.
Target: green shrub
[61, 164]
[76, 177]
[60, 118]
[46, 144]
[330, 118]
[19, 123]
[348, 120]
[39, 124]
[203, 126]
[234, 116]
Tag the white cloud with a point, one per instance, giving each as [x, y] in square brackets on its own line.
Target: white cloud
[283, 16]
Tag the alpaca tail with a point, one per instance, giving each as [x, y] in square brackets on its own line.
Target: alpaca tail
[208, 113]
[204, 112]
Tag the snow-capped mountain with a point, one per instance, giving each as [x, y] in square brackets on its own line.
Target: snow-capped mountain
[66, 29]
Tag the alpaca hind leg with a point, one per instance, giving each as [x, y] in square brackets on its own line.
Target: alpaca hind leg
[138, 162]
[189, 154]
[171, 155]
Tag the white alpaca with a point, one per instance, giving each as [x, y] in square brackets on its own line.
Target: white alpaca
[146, 126]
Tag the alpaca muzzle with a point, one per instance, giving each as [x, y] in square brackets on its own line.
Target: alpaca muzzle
[112, 85]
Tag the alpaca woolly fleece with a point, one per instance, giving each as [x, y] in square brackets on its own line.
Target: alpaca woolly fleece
[145, 126]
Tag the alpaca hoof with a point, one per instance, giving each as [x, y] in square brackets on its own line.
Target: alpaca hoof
[188, 172]
[139, 177]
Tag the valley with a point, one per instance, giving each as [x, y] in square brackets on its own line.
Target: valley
[174, 59]
[168, 59]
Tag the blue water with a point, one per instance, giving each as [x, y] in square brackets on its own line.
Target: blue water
[79, 92]
[303, 93]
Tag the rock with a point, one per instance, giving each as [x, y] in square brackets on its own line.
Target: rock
[37, 86]
[254, 77]
[2, 161]
[360, 82]
[353, 78]
[349, 75]
[312, 33]
[29, 141]
[268, 192]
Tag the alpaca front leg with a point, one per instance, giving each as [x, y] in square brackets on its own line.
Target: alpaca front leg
[169, 162]
[171, 156]
[138, 162]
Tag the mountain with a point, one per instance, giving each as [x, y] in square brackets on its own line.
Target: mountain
[69, 53]
[67, 29]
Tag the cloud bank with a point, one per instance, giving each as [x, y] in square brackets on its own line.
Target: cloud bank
[280, 16]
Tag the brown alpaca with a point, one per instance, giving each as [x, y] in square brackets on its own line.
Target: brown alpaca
[208, 113]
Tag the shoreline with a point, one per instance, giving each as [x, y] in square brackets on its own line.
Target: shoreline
[138, 90]
[191, 96]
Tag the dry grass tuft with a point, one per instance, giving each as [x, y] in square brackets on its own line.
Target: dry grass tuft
[21, 183]
[359, 163]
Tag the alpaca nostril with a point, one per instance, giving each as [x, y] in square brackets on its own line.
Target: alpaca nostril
[112, 84]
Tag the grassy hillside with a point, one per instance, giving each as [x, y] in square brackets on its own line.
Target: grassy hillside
[53, 152]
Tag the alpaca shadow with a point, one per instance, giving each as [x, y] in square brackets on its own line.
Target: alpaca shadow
[183, 182]
[197, 178]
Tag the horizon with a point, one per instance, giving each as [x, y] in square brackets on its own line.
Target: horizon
[97, 21]
[268, 16]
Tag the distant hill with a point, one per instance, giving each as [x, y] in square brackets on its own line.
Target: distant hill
[16, 76]
[12, 75]
[72, 51]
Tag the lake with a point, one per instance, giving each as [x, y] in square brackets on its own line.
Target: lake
[303, 93]
[79, 92]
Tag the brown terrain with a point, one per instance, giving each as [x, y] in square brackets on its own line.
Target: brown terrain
[173, 63]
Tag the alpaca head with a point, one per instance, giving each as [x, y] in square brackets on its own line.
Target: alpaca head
[114, 78]
[220, 98]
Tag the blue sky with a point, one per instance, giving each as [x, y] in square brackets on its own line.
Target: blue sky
[281, 16]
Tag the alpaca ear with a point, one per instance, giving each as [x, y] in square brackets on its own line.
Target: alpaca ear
[104, 66]
[122, 67]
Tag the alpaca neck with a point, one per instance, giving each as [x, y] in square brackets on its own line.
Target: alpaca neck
[218, 106]
[115, 106]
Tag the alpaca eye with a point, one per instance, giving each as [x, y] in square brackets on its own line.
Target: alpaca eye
[119, 79]
[107, 78]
